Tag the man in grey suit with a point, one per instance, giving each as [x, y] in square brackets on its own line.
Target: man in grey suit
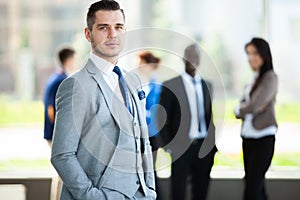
[101, 148]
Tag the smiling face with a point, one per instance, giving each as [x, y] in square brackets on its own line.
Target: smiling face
[106, 36]
[254, 58]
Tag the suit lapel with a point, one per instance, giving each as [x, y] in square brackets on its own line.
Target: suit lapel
[119, 112]
[182, 93]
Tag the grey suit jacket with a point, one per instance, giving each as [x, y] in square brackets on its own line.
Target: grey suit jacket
[95, 138]
[262, 102]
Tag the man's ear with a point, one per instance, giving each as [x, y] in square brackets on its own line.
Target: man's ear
[88, 34]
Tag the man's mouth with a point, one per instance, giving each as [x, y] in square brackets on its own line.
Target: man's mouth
[112, 44]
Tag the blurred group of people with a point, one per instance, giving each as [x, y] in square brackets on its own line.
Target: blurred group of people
[189, 134]
[182, 124]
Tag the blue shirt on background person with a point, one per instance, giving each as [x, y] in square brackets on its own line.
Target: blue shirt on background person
[49, 100]
[67, 60]
[152, 100]
[148, 63]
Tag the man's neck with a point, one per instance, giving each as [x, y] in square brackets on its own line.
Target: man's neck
[67, 71]
[112, 60]
[191, 74]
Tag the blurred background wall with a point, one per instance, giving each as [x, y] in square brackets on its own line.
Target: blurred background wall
[31, 31]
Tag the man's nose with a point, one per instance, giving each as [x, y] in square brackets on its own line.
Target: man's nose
[112, 33]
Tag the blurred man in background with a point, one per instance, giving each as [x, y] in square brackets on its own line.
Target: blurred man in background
[189, 131]
[67, 61]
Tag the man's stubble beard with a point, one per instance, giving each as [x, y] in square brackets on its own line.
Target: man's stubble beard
[101, 53]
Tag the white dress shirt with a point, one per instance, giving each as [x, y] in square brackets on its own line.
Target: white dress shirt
[190, 91]
[110, 77]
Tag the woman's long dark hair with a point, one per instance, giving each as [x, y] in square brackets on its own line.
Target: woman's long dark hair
[264, 51]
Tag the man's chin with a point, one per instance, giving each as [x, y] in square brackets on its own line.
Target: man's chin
[113, 53]
[109, 53]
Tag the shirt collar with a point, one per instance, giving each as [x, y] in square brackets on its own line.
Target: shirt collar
[103, 65]
[186, 76]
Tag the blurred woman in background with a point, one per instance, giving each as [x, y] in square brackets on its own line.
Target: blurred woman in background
[148, 63]
[256, 109]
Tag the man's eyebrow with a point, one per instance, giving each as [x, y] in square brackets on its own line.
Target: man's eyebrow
[118, 24]
[98, 25]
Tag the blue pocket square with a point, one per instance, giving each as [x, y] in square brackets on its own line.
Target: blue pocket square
[141, 94]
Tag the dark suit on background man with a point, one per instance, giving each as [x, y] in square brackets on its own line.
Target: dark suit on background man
[192, 149]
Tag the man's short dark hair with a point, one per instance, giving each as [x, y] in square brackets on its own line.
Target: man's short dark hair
[101, 5]
[65, 53]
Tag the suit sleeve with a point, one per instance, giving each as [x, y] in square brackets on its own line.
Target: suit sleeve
[210, 142]
[165, 115]
[67, 132]
[210, 91]
[236, 110]
[262, 96]
[210, 107]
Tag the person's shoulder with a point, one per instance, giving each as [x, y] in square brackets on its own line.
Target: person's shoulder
[173, 80]
[69, 81]
[171, 85]
[52, 78]
[270, 75]
[133, 78]
[207, 82]
[53, 81]
[79, 80]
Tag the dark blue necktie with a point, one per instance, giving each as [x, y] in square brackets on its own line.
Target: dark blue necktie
[198, 106]
[123, 87]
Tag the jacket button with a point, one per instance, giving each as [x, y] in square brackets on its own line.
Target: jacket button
[136, 137]
[137, 182]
